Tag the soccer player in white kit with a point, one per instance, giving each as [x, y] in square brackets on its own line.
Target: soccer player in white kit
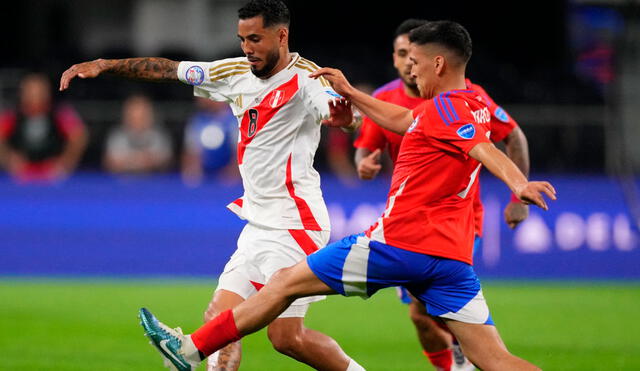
[280, 111]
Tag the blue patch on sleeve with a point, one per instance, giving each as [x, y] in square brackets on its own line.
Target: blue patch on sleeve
[467, 131]
[501, 115]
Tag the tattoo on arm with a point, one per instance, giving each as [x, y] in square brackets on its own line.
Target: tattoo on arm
[149, 69]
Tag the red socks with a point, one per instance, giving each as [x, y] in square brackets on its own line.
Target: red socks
[441, 360]
[216, 333]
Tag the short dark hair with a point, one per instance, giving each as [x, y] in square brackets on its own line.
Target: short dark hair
[408, 25]
[273, 12]
[451, 35]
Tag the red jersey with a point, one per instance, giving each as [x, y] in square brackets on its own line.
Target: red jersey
[430, 204]
[374, 137]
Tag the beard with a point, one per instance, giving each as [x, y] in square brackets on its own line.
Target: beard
[271, 61]
[409, 82]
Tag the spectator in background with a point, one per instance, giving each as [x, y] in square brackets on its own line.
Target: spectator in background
[38, 140]
[138, 146]
[209, 143]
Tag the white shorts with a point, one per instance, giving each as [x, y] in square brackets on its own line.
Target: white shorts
[262, 252]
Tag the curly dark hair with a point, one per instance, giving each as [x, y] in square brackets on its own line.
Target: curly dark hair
[451, 35]
[273, 12]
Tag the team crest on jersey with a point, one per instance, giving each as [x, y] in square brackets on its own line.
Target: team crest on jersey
[195, 75]
[467, 131]
[501, 115]
[253, 122]
[276, 98]
[413, 124]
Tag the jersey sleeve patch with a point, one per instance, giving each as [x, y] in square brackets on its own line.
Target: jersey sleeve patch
[501, 114]
[194, 75]
[467, 131]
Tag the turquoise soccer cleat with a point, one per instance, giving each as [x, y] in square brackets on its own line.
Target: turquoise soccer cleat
[176, 348]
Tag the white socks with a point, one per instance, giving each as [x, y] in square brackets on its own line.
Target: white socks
[354, 366]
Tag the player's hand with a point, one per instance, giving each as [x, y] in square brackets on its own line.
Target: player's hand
[369, 166]
[531, 193]
[340, 114]
[515, 213]
[84, 70]
[336, 78]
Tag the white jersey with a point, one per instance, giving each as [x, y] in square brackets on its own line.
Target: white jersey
[279, 121]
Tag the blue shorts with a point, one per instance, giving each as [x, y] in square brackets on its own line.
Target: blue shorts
[403, 294]
[359, 266]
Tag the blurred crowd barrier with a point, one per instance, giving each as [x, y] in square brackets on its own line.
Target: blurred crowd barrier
[94, 224]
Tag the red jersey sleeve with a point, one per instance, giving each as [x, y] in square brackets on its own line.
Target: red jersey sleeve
[420, 108]
[453, 126]
[501, 122]
[371, 136]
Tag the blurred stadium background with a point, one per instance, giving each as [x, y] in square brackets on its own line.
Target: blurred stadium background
[79, 254]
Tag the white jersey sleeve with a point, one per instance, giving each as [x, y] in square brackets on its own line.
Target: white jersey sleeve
[317, 92]
[213, 80]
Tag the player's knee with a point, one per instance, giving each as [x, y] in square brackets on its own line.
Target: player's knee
[285, 341]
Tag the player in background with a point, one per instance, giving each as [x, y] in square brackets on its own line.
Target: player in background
[424, 239]
[279, 110]
[437, 343]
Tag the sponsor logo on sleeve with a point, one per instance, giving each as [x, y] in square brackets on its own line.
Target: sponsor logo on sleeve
[467, 131]
[501, 115]
[194, 75]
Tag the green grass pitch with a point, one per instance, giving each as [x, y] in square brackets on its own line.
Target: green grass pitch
[92, 325]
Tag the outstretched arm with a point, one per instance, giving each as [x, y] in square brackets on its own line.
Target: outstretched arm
[389, 116]
[149, 69]
[503, 168]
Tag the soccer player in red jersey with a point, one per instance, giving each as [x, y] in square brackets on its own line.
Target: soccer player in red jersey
[424, 239]
[437, 343]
